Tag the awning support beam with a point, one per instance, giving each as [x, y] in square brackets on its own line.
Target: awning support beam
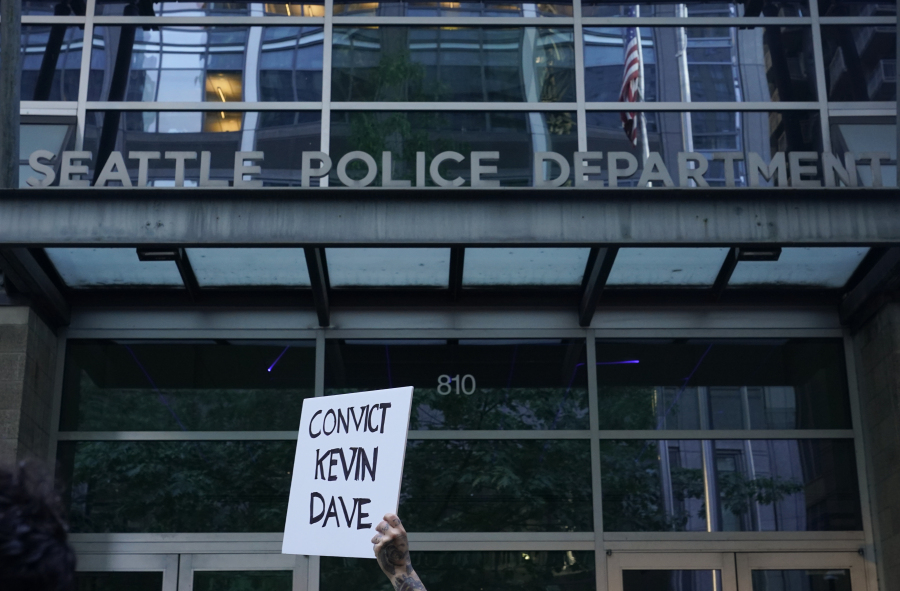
[318, 279]
[29, 277]
[873, 290]
[187, 274]
[599, 265]
[457, 262]
[725, 272]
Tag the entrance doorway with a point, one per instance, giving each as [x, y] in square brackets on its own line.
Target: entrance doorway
[192, 572]
[727, 571]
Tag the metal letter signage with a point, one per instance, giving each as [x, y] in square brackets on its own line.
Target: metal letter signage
[549, 169]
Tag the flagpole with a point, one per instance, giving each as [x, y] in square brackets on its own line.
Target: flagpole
[645, 145]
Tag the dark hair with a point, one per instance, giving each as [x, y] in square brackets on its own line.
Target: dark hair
[34, 552]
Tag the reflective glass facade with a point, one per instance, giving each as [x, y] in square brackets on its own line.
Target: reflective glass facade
[550, 442]
[707, 423]
[517, 78]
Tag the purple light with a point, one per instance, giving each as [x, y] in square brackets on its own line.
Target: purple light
[618, 362]
[278, 358]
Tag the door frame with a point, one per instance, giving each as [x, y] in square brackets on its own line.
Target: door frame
[750, 561]
[165, 563]
[722, 561]
[190, 563]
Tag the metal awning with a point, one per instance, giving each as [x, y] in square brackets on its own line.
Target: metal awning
[327, 248]
[442, 217]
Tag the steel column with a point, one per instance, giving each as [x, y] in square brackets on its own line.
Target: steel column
[51, 56]
[117, 87]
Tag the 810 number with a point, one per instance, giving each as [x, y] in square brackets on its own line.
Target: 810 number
[464, 385]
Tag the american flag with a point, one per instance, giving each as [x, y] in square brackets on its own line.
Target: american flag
[631, 92]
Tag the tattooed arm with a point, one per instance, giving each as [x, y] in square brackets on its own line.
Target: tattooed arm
[392, 552]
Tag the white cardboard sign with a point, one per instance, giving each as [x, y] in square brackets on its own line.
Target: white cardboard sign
[347, 471]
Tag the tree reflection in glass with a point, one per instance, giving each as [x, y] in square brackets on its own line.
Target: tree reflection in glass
[751, 485]
[470, 384]
[497, 485]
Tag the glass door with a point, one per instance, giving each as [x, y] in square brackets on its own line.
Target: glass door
[192, 572]
[671, 571]
[127, 572]
[743, 571]
[243, 572]
[801, 571]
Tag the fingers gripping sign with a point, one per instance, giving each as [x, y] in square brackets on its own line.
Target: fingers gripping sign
[392, 552]
[391, 546]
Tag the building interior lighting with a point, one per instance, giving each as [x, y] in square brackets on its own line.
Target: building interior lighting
[221, 96]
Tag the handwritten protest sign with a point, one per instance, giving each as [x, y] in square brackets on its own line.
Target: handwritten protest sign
[346, 472]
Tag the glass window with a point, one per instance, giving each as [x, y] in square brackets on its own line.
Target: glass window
[671, 580]
[176, 486]
[860, 62]
[382, 267]
[470, 384]
[213, 64]
[868, 135]
[45, 134]
[260, 580]
[782, 8]
[666, 266]
[50, 8]
[524, 266]
[802, 267]
[714, 134]
[450, 571]
[187, 9]
[280, 135]
[234, 267]
[453, 64]
[457, 9]
[724, 63]
[111, 267]
[497, 485]
[51, 62]
[753, 485]
[193, 386]
[54, 134]
[833, 579]
[856, 8]
[698, 383]
[116, 581]
[515, 135]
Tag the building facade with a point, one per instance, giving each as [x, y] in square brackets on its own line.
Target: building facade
[671, 364]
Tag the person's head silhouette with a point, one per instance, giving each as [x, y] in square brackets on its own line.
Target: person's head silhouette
[34, 552]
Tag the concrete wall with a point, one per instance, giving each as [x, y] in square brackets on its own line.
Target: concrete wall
[877, 355]
[27, 372]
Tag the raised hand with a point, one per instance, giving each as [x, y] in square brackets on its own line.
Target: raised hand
[392, 552]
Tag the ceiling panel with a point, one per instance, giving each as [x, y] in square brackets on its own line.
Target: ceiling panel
[111, 267]
[524, 266]
[388, 267]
